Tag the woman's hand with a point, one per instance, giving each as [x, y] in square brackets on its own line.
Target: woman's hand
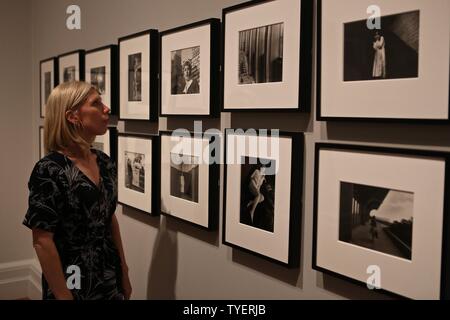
[126, 284]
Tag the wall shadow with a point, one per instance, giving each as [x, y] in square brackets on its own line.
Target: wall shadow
[286, 121]
[350, 290]
[188, 123]
[141, 127]
[389, 133]
[140, 216]
[162, 276]
[177, 225]
[291, 276]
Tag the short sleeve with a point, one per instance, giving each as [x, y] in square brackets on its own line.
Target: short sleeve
[45, 198]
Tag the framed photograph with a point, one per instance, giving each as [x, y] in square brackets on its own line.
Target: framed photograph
[190, 177]
[101, 70]
[267, 56]
[41, 142]
[71, 66]
[190, 69]
[48, 80]
[263, 192]
[138, 177]
[107, 143]
[387, 62]
[138, 65]
[381, 218]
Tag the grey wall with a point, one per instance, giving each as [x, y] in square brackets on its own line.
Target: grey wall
[16, 135]
[170, 259]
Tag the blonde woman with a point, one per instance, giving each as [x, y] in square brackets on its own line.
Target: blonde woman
[72, 200]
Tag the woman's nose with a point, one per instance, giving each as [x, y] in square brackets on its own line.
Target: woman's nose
[106, 109]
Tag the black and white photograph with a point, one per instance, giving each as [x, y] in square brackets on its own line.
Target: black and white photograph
[267, 60]
[135, 171]
[262, 192]
[190, 69]
[261, 54]
[185, 73]
[135, 77]
[184, 177]
[98, 79]
[101, 70]
[381, 208]
[391, 64]
[138, 76]
[69, 74]
[377, 218]
[391, 52]
[189, 181]
[71, 66]
[257, 193]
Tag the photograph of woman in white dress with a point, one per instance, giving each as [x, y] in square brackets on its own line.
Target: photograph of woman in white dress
[391, 52]
[379, 61]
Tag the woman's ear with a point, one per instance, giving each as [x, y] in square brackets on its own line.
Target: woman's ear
[72, 117]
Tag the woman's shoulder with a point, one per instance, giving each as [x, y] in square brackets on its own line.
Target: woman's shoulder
[49, 166]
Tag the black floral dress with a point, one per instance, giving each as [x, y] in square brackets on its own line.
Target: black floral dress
[64, 201]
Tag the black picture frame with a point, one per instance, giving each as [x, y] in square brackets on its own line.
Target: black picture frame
[113, 52]
[79, 57]
[303, 64]
[295, 199]
[155, 165]
[444, 286]
[214, 72]
[321, 115]
[55, 79]
[213, 180]
[153, 47]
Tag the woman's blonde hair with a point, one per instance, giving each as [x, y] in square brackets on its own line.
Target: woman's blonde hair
[59, 133]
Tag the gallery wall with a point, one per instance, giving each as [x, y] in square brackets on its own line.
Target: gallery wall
[169, 259]
[16, 136]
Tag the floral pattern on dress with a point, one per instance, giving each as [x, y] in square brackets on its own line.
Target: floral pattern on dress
[65, 202]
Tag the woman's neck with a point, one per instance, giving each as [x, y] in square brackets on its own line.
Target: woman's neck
[76, 152]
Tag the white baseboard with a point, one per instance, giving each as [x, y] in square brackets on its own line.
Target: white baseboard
[20, 279]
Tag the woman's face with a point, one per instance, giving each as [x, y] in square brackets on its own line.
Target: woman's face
[187, 72]
[94, 115]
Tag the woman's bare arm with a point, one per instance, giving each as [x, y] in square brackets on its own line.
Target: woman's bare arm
[51, 264]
